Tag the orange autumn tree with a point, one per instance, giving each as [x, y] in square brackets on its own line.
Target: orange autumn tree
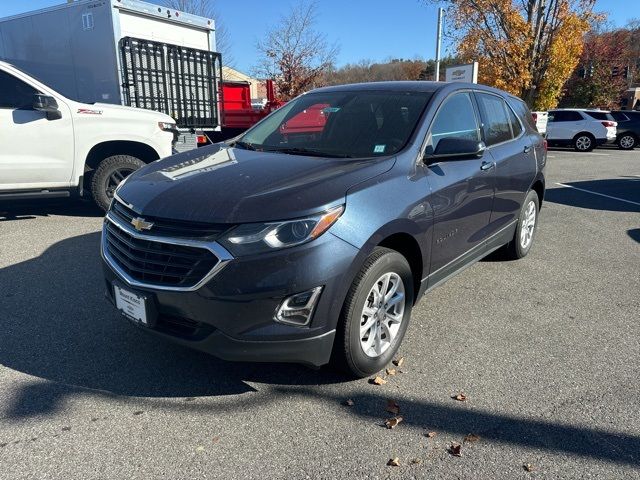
[527, 47]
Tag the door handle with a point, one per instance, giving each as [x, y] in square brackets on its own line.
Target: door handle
[487, 166]
[527, 148]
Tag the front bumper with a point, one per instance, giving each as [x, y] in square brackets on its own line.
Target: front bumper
[232, 315]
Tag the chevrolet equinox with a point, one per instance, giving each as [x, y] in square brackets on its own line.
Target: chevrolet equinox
[310, 237]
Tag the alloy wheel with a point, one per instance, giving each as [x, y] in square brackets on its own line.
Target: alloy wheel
[583, 143]
[627, 142]
[528, 225]
[382, 314]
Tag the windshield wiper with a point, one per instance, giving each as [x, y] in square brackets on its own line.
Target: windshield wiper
[308, 151]
[244, 145]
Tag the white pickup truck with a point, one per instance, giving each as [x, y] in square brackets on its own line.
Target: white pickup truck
[51, 146]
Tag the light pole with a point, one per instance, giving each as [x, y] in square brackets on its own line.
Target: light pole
[438, 42]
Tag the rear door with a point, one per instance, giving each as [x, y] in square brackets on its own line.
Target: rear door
[34, 152]
[511, 148]
[461, 191]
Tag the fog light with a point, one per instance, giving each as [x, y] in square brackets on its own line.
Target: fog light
[298, 309]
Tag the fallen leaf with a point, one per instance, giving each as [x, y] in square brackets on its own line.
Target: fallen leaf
[430, 434]
[398, 362]
[215, 439]
[391, 371]
[392, 422]
[416, 461]
[394, 462]
[348, 403]
[472, 437]
[377, 381]
[528, 467]
[454, 449]
[138, 412]
[200, 449]
[461, 397]
[393, 407]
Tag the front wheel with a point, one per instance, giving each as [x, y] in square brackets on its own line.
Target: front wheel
[109, 174]
[627, 142]
[376, 314]
[525, 231]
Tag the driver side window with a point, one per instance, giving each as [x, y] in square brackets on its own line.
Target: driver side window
[456, 118]
[14, 93]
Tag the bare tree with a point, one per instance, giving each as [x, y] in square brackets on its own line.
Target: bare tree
[294, 54]
[206, 8]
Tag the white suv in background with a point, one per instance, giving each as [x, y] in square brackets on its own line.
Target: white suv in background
[582, 129]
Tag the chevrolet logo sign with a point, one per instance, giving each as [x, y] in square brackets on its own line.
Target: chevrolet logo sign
[141, 224]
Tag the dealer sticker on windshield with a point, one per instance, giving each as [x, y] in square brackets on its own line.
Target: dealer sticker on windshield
[379, 149]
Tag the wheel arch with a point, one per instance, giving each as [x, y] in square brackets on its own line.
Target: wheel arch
[584, 132]
[539, 187]
[407, 246]
[106, 149]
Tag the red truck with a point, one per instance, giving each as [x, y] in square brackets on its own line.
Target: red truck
[237, 113]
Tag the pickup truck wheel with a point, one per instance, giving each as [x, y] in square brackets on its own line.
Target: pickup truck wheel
[375, 315]
[110, 172]
[526, 228]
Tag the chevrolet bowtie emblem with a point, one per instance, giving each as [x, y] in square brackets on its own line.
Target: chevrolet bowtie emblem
[141, 224]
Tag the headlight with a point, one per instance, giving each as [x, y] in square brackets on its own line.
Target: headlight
[166, 126]
[260, 237]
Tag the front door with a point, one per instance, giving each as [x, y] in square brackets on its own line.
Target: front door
[34, 152]
[461, 190]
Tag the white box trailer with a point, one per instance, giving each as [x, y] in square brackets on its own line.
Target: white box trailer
[126, 52]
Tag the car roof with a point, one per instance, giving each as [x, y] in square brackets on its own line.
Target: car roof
[579, 110]
[407, 86]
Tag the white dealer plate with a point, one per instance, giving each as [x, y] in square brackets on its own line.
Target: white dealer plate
[132, 305]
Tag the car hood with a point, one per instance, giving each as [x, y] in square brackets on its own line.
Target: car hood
[220, 184]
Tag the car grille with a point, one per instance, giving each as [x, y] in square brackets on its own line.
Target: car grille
[157, 263]
[172, 228]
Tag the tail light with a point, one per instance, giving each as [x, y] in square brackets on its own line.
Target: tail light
[535, 117]
[610, 124]
[202, 139]
[545, 144]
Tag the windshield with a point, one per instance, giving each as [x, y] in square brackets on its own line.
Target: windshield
[340, 124]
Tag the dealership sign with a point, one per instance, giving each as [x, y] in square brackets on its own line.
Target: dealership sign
[462, 73]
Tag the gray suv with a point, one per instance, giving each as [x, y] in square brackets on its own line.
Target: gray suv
[311, 237]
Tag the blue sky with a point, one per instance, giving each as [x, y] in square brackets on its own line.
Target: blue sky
[364, 29]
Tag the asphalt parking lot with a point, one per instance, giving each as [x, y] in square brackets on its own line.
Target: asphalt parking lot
[546, 350]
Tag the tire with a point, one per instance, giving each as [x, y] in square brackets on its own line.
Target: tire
[517, 248]
[349, 350]
[110, 172]
[627, 141]
[584, 142]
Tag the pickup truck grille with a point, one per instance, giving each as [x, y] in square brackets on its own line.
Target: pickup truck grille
[172, 228]
[156, 263]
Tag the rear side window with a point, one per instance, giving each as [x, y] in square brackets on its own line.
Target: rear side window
[523, 112]
[619, 116]
[516, 128]
[15, 93]
[456, 118]
[497, 122]
[600, 116]
[564, 116]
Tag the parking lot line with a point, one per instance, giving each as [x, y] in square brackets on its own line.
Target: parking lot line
[597, 193]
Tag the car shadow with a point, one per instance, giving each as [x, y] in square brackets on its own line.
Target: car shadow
[634, 233]
[623, 188]
[30, 209]
[56, 325]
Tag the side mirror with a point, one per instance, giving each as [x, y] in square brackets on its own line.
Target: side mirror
[47, 104]
[456, 148]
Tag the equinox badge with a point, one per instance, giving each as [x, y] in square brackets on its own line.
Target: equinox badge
[141, 224]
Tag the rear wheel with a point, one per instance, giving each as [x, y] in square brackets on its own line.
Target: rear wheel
[376, 314]
[109, 174]
[584, 142]
[627, 142]
[525, 231]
